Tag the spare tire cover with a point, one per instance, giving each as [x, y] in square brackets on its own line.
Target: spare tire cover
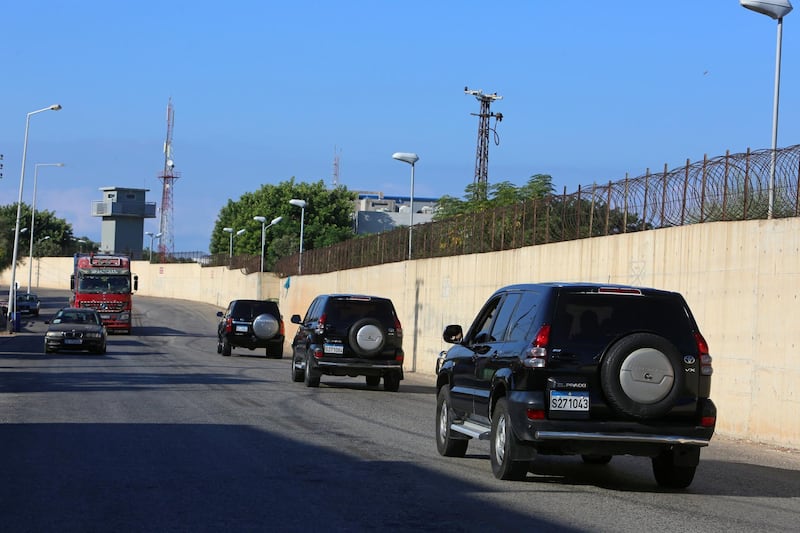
[265, 326]
[642, 376]
[367, 337]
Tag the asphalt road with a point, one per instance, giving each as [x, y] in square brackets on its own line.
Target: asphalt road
[164, 434]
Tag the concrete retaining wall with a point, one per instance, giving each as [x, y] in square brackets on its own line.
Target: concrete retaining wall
[741, 279]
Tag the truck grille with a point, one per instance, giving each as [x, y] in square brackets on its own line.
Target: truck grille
[112, 307]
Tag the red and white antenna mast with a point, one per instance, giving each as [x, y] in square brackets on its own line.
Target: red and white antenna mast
[166, 245]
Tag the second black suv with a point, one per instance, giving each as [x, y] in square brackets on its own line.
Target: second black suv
[578, 369]
[349, 335]
[251, 324]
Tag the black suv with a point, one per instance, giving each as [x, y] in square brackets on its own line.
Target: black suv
[349, 335]
[578, 369]
[251, 324]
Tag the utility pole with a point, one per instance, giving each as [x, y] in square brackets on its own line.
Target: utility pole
[482, 153]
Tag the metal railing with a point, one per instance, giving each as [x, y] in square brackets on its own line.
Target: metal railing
[729, 187]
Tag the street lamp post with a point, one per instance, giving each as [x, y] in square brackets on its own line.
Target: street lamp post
[12, 291]
[33, 216]
[302, 205]
[263, 221]
[776, 9]
[409, 158]
[230, 246]
[152, 237]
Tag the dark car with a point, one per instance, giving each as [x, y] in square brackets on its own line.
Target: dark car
[578, 369]
[251, 324]
[349, 335]
[28, 303]
[75, 329]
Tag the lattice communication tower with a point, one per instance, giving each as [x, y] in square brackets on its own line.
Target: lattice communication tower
[166, 244]
[482, 154]
[336, 159]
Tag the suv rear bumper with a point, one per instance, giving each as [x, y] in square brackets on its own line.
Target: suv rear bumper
[358, 367]
[613, 437]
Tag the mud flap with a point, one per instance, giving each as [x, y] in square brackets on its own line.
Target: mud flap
[686, 455]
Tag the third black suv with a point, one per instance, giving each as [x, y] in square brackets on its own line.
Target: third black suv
[349, 335]
[251, 324]
[578, 369]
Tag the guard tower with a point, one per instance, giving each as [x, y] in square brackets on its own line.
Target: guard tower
[123, 211]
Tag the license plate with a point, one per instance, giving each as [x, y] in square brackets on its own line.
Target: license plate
[241, 329]
[105, 317]
[72, 341]
[569, 401]
[333, 348]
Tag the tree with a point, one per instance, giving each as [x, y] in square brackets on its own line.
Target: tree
[61, 240]
[500, 194]
[328, 220]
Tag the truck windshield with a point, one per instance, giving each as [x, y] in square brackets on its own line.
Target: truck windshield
[105, 284]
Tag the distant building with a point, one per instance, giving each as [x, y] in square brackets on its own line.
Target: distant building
[123, 210]
[376, 212]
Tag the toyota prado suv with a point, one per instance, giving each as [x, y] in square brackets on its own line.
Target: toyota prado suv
[349, 335]
[251, 324]
[578, 369]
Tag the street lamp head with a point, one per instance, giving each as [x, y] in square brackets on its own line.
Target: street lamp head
[298, 203]
[406, 157]
[229, 230]
[159, 235]
[275, 221]
[23, 230]
[55, 107]
[776, 9]
[149, 233]
[240, 232]
[260, 219]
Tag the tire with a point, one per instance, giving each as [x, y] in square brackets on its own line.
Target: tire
[310, 376]
[592, 459]
[670, 475]
[391, 381]
[446, 443]
[219, 345]
[274, 351]
[226, 347]
[642, 376]
[367, 337]
[265, 326]
[503, 446]
[373, 381]
[298, 369]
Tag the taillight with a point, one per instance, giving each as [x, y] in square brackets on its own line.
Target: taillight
[535, 414]
[318, 354]
[281, 331]
[228, 325]
[398, 329]
[537, 354]
[320, 329]
[705, 358]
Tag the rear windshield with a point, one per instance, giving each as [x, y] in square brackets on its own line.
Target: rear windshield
[598, 318]
[349, 311]
[252, 309]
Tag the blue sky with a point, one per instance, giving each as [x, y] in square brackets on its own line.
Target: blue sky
[264, 91]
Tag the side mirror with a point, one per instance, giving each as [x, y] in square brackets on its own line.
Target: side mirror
[453, 334]
[219, 314]
[136, 283]
[296, 319]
